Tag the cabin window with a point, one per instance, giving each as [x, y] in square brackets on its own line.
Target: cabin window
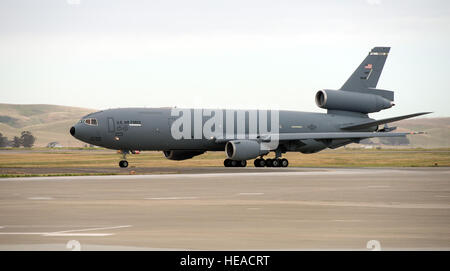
[91, 121]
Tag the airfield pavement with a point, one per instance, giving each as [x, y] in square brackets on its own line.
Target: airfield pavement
[230, 209]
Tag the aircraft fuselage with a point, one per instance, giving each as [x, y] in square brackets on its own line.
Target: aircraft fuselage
[150, 128]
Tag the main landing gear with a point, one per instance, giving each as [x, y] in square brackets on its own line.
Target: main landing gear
[234, 163]
[277, 162]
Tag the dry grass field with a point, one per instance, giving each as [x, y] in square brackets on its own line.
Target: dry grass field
[328, 158]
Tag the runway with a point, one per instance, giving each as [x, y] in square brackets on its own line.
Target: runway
[230, 209]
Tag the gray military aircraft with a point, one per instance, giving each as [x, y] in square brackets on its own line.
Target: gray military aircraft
[244, 134]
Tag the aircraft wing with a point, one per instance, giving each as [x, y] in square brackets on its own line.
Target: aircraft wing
[338, 135]
[371, 123]
[332, 135]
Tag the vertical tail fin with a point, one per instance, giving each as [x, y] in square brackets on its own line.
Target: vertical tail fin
[368, 72]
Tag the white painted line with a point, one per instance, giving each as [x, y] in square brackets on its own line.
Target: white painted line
[80, 234]
[441, 196]
[250, 194]
[56, 234]
[40, 198]
[52, 226]
[172, 198]
[263, 173]
[93, 229]
[70, 232]
[23, 233]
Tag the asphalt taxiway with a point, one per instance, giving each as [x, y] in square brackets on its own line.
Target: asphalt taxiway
[230, 209]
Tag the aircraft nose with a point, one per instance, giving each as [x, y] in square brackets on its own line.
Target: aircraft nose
[72, 131]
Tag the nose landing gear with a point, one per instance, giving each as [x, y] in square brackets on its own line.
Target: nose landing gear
[124, 163]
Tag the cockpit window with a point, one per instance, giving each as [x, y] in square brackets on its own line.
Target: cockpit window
[90, 121]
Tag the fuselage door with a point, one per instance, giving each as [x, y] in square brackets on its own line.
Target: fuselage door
[111, 125]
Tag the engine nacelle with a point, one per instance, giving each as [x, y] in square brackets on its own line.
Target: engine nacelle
[243, 149]
[181, 155]
[351, 101]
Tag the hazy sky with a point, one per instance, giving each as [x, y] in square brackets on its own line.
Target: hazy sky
[228, 54]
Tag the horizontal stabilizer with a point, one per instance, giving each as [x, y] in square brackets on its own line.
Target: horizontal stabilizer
[368, 124]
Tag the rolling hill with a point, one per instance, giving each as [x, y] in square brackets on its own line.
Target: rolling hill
[437, 131]
[47, 122]
[50, 123]
[437, 134]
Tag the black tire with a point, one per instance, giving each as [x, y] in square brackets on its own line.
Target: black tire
[269, 163]
[227, 163]
[233, 163]
[242, 163]
[284, 162]
[276, 162]
[260, 162]
[123, 164]
[256, 162]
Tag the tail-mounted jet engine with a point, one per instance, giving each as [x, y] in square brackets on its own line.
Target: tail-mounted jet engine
[354, 101]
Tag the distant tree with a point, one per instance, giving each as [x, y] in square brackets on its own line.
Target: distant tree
[3, 140]
[27, 139]
[16, 142]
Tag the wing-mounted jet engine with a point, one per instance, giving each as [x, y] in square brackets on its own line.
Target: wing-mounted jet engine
[178, 155]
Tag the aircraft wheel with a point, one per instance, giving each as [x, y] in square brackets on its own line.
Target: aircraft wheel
[242, 163]
[276, 162]
[227, 163]
[284, 162]
[269, 163]
[233, 163]
[260, 162]
[256, 162]
[123, 164]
